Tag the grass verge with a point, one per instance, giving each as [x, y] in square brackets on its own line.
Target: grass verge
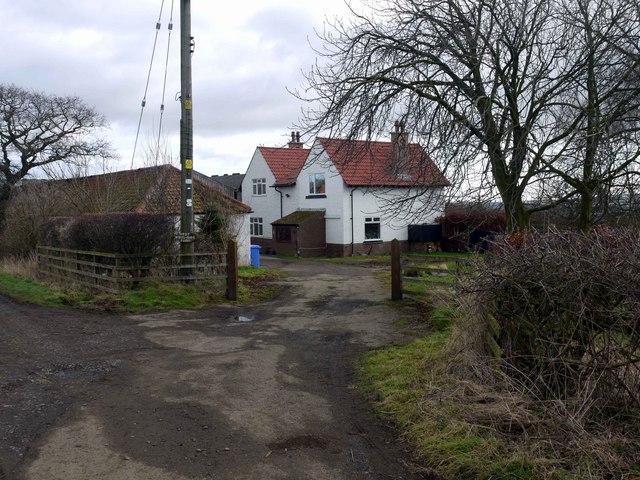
[255, 285]
[411, 389]
[464, 427]
[258, 284]
[30, 291]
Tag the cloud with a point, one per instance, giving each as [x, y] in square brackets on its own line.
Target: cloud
[246, 57]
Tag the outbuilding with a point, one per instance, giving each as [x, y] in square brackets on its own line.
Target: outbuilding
[301, 233]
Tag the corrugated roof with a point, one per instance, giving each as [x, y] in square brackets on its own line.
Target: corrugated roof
[369, 163]
[298, 217]
[284, 163]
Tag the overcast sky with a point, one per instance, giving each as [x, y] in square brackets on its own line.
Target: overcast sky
[247, 53]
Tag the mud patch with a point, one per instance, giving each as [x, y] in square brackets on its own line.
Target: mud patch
[304, 442]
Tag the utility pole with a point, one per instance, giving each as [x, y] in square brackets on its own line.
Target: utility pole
[186, 137]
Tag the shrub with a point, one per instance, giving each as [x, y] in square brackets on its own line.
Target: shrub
[130, 233]
[213, 226]
[567, 308]
[138, 235]
[28, 207]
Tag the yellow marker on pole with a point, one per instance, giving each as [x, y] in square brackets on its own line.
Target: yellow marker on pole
[188, 164]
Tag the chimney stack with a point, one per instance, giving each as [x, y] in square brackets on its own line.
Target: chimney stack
[295, 140]
[399, 145]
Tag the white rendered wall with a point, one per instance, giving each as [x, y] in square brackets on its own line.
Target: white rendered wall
[335, 214]
[367, 202]
[265, 206]
[240, 229]
[394, 218]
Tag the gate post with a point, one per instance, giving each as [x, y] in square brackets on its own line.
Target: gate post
[232, 270]
[396, 271]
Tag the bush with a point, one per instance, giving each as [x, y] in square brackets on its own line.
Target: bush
[28, 207]
[567, 308]
[130, 233]
[213, 227]
[138, 235]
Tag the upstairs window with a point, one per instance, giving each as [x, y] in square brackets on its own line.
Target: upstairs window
[371, 229]
[259, 186]
[316, 184]
[256, 226]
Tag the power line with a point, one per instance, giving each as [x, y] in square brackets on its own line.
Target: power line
[164, 83]
[146, 88]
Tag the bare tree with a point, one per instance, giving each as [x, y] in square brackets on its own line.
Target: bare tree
[37, 129]
[602, 106]
[485, 85]
[28, 207]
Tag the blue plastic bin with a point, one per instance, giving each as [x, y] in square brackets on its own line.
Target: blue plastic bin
[255, 256]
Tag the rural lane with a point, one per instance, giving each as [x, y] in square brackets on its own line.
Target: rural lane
[258, 392]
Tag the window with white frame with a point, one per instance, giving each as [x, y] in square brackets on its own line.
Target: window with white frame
[259, 186]
[256, 226]
[371, 229]
[316, 184]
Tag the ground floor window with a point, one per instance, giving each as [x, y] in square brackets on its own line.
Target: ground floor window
[283, 234]
[256, 226]
[371, 228]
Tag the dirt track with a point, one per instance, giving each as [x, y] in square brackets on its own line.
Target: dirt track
[256, 393]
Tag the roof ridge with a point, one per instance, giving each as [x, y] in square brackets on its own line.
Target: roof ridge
[371, 163]
[345, 140]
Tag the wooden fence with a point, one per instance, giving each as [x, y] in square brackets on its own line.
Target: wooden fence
[421, 270]
[112, 272]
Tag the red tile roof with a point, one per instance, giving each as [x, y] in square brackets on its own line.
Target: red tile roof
[284, 163]
[369, 163]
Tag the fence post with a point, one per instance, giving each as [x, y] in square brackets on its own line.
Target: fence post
[232, 270]
[396, 271]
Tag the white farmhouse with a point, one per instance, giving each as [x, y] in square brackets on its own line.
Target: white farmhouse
[340, 197]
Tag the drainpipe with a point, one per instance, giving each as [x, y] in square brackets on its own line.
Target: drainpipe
[352, 231]
[280, 192]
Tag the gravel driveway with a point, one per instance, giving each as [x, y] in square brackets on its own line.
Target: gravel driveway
[262, 392]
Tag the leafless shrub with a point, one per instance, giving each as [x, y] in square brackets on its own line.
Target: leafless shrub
[28, 207]
[583, 428]
[137, 235]
[567, 308]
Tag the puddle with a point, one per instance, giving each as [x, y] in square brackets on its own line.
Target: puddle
[242, 318]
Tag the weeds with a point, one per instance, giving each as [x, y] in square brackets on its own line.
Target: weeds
[258, 284]
[412, 390]
[25, 268]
